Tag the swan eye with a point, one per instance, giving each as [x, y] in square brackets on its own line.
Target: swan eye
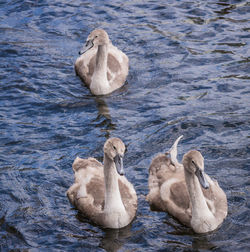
[114, 148]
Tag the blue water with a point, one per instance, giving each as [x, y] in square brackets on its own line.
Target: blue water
[189, 74]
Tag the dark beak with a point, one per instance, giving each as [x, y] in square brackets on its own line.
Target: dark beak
[119, 164]
[202, 179]
[89, 44]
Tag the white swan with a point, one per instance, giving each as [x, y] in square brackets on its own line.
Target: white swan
[185, 191]
[102, 193]
[101, 66]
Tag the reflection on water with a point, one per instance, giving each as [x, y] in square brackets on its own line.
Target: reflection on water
[102, 108]
[104, 118]
[113, 240]
[202, 242]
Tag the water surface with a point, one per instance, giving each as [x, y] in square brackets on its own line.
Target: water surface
[189, 75]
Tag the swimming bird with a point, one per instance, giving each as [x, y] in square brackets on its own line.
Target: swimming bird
[101, 65]
[102, 192]
[185, 191]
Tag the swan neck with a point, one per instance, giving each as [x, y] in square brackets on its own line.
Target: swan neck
[99, 82]
[102, 59]
[113, 201]
[198, 201]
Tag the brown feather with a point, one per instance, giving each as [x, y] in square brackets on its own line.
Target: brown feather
[95, 189]
[179, 195]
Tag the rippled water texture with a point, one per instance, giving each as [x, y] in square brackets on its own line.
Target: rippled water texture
[189, 74]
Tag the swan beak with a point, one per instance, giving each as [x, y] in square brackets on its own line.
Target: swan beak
[119, 164]
[202, 179]
[89, 44]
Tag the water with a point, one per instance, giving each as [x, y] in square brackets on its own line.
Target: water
[189, 74]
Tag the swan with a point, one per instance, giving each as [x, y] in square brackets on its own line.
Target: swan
[102, 192]
[185, 191]
[101, 66]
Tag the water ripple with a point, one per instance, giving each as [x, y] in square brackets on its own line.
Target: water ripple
[189, 75]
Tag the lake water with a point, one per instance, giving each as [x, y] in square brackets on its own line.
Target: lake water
[189, 75]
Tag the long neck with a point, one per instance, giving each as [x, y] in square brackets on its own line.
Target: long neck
[199, 205]
[102, 59]
[99, 82]
[113, 201]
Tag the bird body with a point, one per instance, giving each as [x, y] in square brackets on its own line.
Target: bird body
[101, 65]
[185, 191]
[102, 192]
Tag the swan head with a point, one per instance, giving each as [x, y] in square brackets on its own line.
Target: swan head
[95, 38]
[114, 149]
[193, 163]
